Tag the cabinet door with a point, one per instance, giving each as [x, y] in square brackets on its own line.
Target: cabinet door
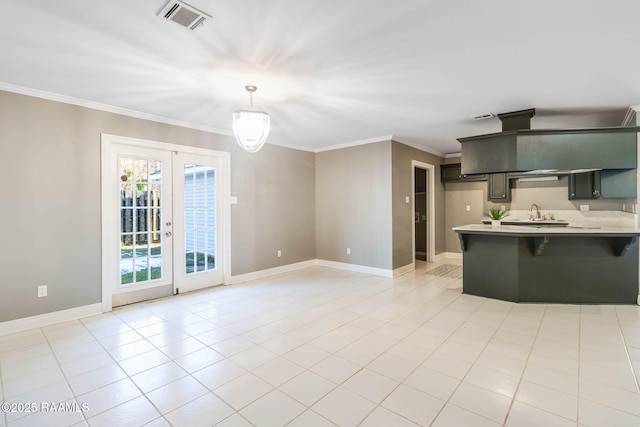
[619, 183]
[499, 190]
[451, 172]
[584, 185]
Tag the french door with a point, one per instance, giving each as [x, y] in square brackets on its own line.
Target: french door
[197, 210]
[163, 219]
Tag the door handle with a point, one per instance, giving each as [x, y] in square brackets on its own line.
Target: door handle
[168, 234]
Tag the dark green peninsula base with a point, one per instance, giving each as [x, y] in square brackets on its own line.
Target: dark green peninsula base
[550, 266]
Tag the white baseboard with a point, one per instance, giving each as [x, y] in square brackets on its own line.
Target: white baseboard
[355, 267]
[332, 264]
[445, 255]
[439, 257]
[403, 270]
[271, 272]
[322, 263]
[47, 319]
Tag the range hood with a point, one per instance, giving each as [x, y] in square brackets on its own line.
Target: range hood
[520, 149]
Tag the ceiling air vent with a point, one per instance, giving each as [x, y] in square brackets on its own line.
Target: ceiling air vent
[183, 14]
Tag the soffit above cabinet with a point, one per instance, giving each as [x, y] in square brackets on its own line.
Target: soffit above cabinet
[554, 150]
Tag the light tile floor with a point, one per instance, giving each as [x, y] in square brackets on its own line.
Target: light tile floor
[324, 347]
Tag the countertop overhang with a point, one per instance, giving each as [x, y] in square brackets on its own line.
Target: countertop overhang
[534, 230]
[621, 237]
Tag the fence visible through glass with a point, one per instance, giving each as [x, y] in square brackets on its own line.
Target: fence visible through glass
[140, 220]
[200, 218]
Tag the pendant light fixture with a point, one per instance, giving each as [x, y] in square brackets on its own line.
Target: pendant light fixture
[251, 127]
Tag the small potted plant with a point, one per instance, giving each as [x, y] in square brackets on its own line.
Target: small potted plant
[496, 216]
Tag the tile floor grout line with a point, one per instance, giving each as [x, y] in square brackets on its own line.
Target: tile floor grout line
[377, 405]
[467, 373]
[579, 365]
[526, 364]
[603, 383]
[626, 350]
[446, 304]
[515, 392]
[412, 371]
[59, 365]
[171, 359]
[99, 342]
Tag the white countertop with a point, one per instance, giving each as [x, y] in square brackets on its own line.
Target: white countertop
[605, 229]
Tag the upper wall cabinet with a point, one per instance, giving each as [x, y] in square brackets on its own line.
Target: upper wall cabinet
[619, 183]
[453, 172]
[499, 189]
[585, 185]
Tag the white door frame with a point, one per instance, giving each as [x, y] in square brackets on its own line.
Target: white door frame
[431, 199]
[109, 217]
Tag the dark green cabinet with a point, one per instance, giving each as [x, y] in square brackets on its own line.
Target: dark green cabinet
[619, 183]
[453, 172]
[498, 189]
[585, 185]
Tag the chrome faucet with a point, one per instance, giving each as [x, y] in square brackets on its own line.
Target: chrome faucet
[537, 211]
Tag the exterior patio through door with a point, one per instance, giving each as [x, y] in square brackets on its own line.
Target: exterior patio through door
[165, 216]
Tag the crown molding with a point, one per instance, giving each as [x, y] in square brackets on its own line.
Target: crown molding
[355, 143]
[108, 108]
[51, 96]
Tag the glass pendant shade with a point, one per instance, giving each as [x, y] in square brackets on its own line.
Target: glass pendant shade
[251, 129]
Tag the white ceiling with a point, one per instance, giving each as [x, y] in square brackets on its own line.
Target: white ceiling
[332, 72]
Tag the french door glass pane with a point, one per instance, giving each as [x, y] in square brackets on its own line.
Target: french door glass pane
[200, 218]
[140, 220]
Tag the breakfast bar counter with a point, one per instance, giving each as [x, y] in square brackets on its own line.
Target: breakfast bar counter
[542, 263]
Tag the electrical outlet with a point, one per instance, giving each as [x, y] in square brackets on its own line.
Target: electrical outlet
[42, 291]
[279, 253]
[502, 208]
[468, 208]
[584, 207]
[348, 251]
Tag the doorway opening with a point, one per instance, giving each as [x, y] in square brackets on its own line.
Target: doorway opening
[420, 213]
[423, 195]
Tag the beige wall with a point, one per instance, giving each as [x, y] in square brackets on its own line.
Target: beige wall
[50, 201]
[457, 197]
[402, 157]
[353, 194]
[305, 204]
[360, 199]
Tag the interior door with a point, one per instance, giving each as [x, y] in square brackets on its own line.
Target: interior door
[198, 184]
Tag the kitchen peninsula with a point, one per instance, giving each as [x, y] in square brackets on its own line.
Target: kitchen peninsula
[575, 265]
